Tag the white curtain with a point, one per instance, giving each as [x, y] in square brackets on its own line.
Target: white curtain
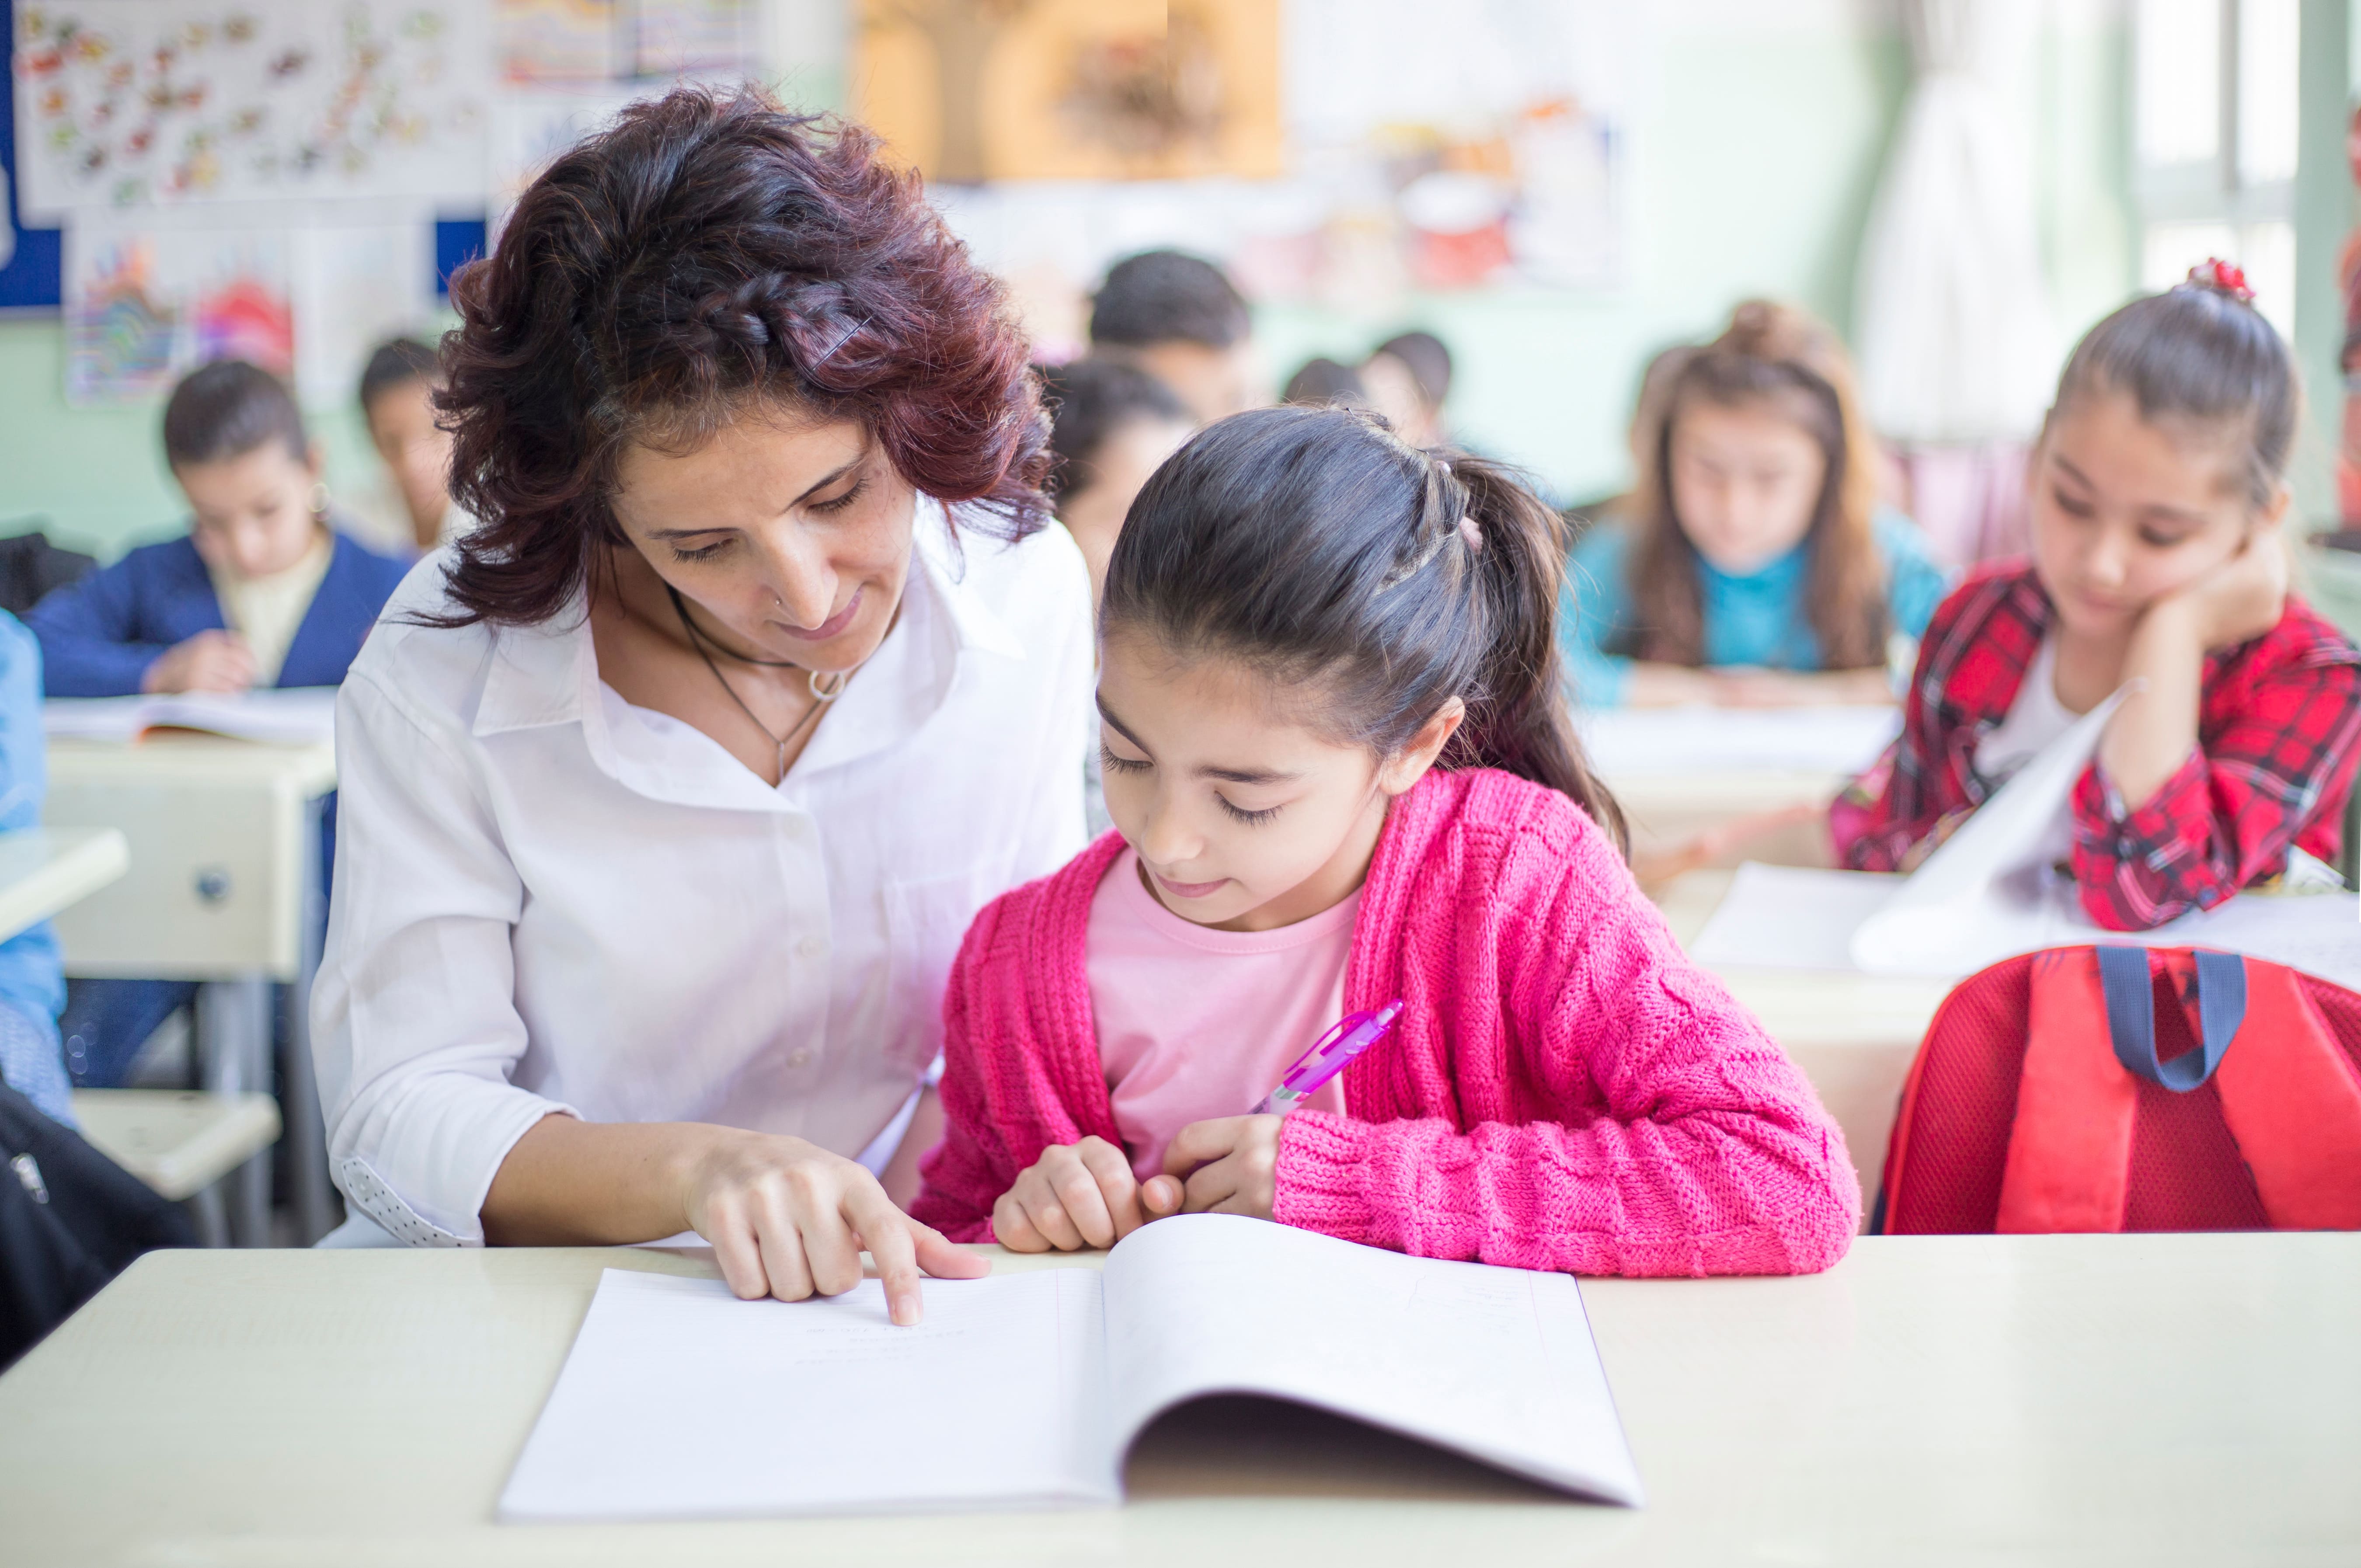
[1957, 345]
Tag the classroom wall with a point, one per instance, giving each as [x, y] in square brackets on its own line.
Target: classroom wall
[1757, 140]
[1756, 151]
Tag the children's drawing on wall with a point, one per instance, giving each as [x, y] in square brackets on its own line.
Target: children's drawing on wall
[1345, 152]
[119, 327]
[144, 304]
[148, 103]
[540, 41]
[979, 90]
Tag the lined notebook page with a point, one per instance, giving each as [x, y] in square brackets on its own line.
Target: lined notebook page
[680, 1402]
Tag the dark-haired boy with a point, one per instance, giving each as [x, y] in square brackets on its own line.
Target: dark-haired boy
[262, 591]
[397, 396]
[1180, 319]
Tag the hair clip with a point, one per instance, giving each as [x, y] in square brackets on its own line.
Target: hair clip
[839, 342]
[1471, 534]
[2221, 277]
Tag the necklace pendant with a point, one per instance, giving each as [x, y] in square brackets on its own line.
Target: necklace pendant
[783, 761]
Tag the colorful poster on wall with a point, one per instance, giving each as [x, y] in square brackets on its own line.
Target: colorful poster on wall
[1481, 144]
[144, 302]
[150, 296]
[559, 41]
[128, 104]
[979, 90]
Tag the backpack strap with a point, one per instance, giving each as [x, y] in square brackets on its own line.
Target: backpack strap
[2131, 1015]
[2293, 1103]
[2069, 1153]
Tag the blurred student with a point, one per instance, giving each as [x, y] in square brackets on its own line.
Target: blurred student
[32, 988]
[1754, 567]
[1322, 383]
[398, 387]
[1407, 379]
[264, 590]
[2159, 492]
[1180, 319]
[1111, 426]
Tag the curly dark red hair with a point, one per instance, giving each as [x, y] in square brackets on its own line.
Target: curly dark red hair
[708, 250]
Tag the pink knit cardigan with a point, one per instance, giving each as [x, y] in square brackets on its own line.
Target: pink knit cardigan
[1566, 1089]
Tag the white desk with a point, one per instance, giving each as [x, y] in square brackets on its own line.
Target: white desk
[225, 839]
[43, 870]
[1853, 1035]
[1667, 810]
[2145, 1399]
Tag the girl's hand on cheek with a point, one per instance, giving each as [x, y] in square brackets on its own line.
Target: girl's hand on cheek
[1229, 1166]
[1076, 1196]
[2244, 598]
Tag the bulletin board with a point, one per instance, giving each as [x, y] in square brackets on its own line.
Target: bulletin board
[32, 269]
[290, 181]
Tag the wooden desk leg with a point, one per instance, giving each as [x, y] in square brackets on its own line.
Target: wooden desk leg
[233, 1057]
[317, 1211]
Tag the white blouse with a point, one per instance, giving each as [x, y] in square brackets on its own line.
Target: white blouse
[547, 899]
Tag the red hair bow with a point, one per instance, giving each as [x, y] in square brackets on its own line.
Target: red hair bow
[2222, 277]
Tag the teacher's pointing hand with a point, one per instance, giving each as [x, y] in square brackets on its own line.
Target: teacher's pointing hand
[788, 1218]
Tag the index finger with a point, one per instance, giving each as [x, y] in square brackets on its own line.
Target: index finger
[1199, 1143]
[884, 1231]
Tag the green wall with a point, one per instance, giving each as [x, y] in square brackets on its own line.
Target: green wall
[1756, 147]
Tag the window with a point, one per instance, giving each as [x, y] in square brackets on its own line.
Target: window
[2214, 90]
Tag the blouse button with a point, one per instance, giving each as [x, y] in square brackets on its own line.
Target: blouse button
[811, 947]
[800, 1057]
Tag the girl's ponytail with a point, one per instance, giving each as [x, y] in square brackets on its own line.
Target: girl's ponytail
[1518, 718]
[1317, 548]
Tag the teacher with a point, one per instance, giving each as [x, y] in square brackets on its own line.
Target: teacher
[669, 793]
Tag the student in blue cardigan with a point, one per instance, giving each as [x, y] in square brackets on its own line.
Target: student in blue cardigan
[264, 590]
[1754, 566]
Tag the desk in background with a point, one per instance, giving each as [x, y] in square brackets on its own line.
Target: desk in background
[46, 869]
[1853, 1035]
[225, 839]
[2141, 1400]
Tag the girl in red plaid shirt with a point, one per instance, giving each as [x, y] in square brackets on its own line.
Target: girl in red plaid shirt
[2159, 491]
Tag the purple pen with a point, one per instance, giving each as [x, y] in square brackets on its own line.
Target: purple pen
[1329, 1055]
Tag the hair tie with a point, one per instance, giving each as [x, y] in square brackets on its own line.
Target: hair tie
[2219, 276]
[1471, 534]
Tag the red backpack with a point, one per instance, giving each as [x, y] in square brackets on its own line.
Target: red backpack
[2130, 1089]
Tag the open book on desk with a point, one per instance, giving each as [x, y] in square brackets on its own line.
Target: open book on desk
[1989, 892]
[1026, 1389]
[289, 716]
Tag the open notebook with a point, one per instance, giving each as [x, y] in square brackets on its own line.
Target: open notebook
[1988, 893]
[1025, 1390]
[291, 716]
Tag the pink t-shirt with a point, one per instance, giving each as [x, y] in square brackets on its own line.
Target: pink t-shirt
[1196, 1024]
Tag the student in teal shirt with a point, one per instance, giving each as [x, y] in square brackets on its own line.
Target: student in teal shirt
[1754, 567]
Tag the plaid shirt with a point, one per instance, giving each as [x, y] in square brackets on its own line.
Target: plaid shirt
[2277, 723]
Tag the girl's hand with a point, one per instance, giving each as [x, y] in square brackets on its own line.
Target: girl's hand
[209, 662]
[1230, 1165]
[2244, 599]
[787, 1218]
[1080, 1195]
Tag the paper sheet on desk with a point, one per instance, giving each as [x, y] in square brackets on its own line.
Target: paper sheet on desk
[1639, 741]
[294, 715]
[1786, 918]
[1985, 895]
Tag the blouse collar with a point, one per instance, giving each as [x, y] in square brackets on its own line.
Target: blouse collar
[548, 674]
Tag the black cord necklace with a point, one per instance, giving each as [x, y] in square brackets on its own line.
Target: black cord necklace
[825, 689]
